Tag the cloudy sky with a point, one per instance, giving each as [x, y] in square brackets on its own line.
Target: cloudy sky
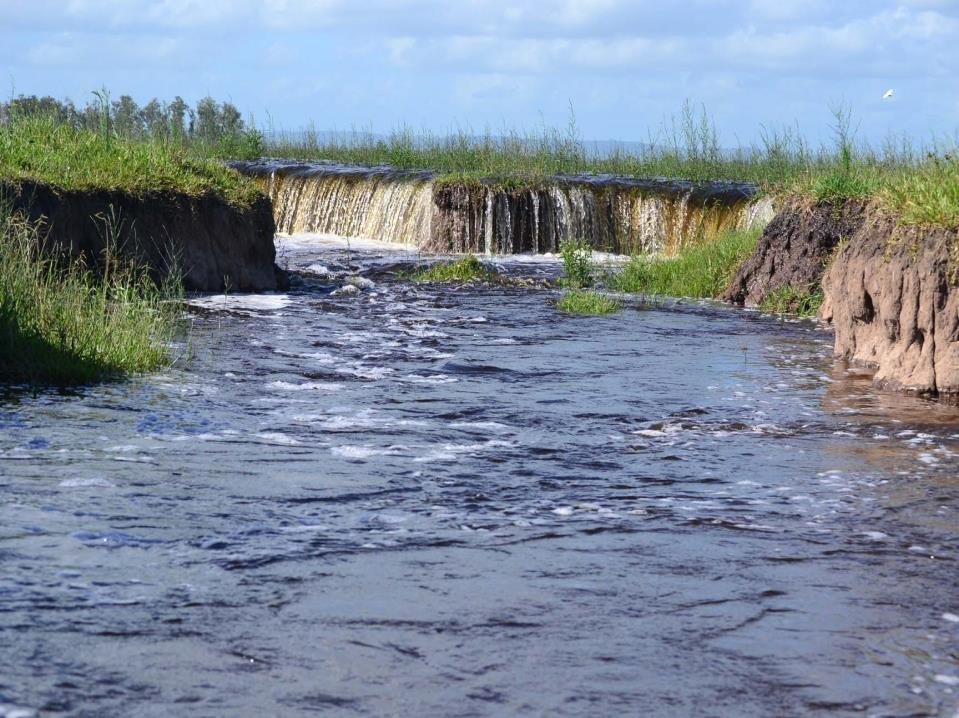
[624, 65]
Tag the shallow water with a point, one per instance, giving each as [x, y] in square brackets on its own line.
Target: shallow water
[431, 500]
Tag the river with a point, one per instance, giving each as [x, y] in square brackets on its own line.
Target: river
[415, 499]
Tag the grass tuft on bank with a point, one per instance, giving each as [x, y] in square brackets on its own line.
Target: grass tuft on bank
[62, 324]
[584, 301]
[41, 148]
[803, 302]
[700, 271]
[461, 270]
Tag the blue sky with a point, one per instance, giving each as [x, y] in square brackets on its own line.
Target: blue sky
[624, 66]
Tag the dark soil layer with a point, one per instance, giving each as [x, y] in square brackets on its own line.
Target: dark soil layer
[890, 291]
[215, 245]
[793, 250]
[528, 218]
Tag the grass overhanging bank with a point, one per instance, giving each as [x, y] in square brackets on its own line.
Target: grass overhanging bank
[100, 314]
[62, 323]
[65, 157]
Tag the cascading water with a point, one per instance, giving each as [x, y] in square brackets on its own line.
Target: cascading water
[615, 214]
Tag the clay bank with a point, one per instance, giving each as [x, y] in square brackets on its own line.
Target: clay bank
[889, 290]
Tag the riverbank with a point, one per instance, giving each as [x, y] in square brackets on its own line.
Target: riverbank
[77, 205]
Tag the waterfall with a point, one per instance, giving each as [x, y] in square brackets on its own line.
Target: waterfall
[614, 214]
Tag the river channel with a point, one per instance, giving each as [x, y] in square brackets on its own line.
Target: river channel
[428, 499]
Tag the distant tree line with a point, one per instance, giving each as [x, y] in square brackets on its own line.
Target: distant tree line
[208, 121]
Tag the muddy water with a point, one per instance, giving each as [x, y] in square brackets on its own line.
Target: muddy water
[428, 500]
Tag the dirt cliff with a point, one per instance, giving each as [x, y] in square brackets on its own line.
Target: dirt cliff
[216, 245]
[892, 296]
[891, 292]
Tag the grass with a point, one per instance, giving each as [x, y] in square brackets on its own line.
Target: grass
[919, 185]
[804, 302]
[577, 259]
[583, 301]
[462, 270]
[40, 148]
[61, 324]
[701, 271]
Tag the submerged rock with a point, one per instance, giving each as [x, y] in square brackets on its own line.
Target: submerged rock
[215, 245]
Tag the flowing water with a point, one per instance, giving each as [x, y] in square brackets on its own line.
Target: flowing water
[403, 499]
[617, 214]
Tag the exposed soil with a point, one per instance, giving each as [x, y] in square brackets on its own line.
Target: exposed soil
[891, 293]
[214, 244]
[892, 296]
[793, 250]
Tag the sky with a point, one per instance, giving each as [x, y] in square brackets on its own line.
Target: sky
[624, 66]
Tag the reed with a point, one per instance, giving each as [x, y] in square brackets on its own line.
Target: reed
[461, 270]
[919, 184]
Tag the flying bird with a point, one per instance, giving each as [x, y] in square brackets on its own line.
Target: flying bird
[888, 95]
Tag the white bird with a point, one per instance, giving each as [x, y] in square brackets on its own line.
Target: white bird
[888, 95]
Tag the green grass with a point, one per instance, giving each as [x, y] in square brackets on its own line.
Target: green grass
[462, 270]
[917, 184]
[40, 148]
[577, 259]
[804, 302]
[701, 271]
[582, 301]
[61, 324]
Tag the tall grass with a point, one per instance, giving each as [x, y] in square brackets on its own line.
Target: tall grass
[41, 148]
[61, 323]
[701, 271]
[919, 184]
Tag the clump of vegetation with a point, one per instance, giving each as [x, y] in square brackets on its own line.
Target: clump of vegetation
[582, 301]
[461, 270]
[804, 301]
[701, 271]
[929, 194]
[577, 256]
[62, 323]
[67, 157]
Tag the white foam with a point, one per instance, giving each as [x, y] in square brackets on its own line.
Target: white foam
[305, 386]
[434, 379]
[946, 679]
[320, 270]
[275, 437]
[357, 451]
[482, 425]
[94, 482]
[951, 617]
[361, 283]
[563, 511]
[243, 302]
